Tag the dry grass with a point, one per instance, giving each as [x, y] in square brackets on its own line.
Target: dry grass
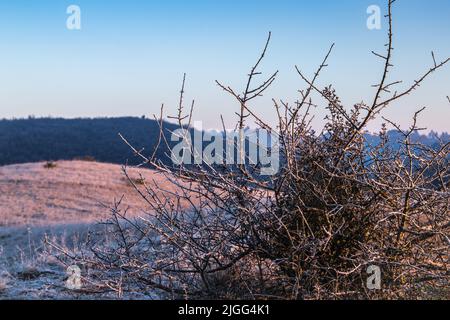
[62, 204]
[72, 192]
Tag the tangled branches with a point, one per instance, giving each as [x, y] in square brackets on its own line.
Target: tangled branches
[339, 204]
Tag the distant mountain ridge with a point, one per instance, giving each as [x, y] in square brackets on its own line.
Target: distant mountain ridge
[429, 139]
[45, 139]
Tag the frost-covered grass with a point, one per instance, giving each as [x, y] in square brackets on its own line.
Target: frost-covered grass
[64, 204]
[28, 270]
[34, 262]
[71, 192]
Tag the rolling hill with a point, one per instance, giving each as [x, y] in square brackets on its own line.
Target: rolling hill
[45, 139]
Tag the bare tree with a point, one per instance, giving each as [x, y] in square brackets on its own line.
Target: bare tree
[339, 204]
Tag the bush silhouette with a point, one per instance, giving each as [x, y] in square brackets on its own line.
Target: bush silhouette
[340, 205]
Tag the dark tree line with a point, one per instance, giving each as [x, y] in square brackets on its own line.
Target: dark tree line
[46, 139]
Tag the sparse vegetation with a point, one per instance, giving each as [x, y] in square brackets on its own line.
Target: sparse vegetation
[74, 192]
[50, 165]
[139, 181]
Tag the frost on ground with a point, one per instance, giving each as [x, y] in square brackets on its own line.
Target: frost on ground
[49, 212]
[34, 264]
[36, 194]
[27, 269]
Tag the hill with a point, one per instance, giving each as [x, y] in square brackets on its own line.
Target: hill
[71, 192]
[44, 139]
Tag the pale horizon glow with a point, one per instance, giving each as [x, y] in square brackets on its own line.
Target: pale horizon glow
[130, 56]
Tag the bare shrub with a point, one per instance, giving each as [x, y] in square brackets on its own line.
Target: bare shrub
[339, 204]
[50, 165]
[138, 181]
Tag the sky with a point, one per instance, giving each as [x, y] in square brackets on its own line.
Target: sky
[129, 56]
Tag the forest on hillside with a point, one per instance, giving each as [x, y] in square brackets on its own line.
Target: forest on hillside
[46, 139]
[51, 139]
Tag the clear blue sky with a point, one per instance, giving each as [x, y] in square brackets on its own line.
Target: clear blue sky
[129, 56]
